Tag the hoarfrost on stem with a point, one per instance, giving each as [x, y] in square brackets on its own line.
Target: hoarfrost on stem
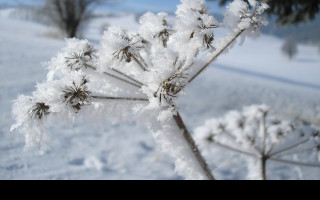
[136, 73]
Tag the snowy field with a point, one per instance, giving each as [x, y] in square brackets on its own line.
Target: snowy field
[253, 73]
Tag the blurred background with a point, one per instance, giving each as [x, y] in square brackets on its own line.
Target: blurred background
[280, 68]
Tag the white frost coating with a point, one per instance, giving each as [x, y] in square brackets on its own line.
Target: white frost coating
[171, 141]
[191, 4]
[73, 57]
[253, 3]
[155, 28]
[33, 129]
[117, 48]
[242, 20]
[93, 163]
[254, 167]
[132, 74]
[234, 12]
[194, 29]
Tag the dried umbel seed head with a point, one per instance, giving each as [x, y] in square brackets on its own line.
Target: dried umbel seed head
[77, 95]
[128, 52]
[203, 10]
[316, 133]
[263, 111]
[164, 36]
[208, 38]
[210, 138]
[164, 22]
[165, 33]
[123, 54]
[207, 41]
[255, 19]
[39, 110]
[280, 133]
[251, 140]
[275, 122]
[222, 127]
[169, 88]
[204, 26]
[80, 59]
[241, 123]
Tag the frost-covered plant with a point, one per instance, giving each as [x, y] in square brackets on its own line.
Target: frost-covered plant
[261, 137]
[139, 75]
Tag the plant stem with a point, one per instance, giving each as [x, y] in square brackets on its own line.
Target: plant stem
[139, 63]
[297, 151]
[236, 150]
[296, 162]
[121, 79]
[129, 77]
[263, 162]
[290, 147]
[136, 84]
[143, 61]
[119, 98]
[188, 138]
[264, 133]
[217, 54]
[263, 158]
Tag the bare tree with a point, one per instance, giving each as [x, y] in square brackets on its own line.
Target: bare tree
[69, 15]
[289, 47]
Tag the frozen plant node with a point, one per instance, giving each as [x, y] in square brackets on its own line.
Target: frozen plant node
[77, 95]
[39, 110]
[77, 60]
[169, 89]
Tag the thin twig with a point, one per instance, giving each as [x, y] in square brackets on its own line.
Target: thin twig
[297, 151]
[119, 98]
[129, 77]
[255, 148]
[139, 63]
[218, 53]
[295, 162]
[143, 61]
[290, 147]
[193, 147]
[229, 135]
[138, 85]
[236, 150]
[123, 80]
[89, 66]
[271, 148]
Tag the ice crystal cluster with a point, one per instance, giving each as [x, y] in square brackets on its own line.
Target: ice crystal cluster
[133, 73]
[255, 134]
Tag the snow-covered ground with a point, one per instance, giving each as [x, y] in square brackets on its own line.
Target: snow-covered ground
[253, 73]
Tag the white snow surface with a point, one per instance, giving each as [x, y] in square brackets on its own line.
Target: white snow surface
[254, 73]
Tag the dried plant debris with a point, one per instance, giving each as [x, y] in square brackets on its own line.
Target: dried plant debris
[81, 58]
